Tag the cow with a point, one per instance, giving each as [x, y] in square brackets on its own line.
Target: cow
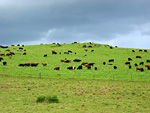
[141, 63]
[129, 59]
[71, 67]
[12, 53]
[44, 64]
[34, 64]
[133, 50]
[111, 47]
[84, 46]
[115, 67]
[147, 61]
[135, 64]
[4, 46]
[77, 60]
[138, 57]
[127, 63]
[57, 68]
[24, 53]
[18, 44]
[92, 50]
[111, 60]
[147, 65]
[45, 55]
[66, 52]
[140, 50]
[12, 45]
[69, 51]
[145, 50]
[21, 65]
[8, 54]
[67, 61]
[25, 50]
[27, 64]
[8, 50]
[90, 46]
[91, 64]
[53, 43]
[84, 63]
[62, 60]
[4, 63]
[148, 68]
[79, 67]
[129, 66]
[104, 63]
[95, 68]
[2, 54]
[20, 48]
[1, 58]
[85, 50]
[139, 68]
[53, 52]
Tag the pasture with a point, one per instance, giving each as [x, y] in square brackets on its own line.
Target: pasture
[86, 90]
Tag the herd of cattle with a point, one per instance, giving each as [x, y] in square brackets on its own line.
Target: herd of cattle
[85, 64]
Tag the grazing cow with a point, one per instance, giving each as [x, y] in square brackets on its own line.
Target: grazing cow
[69, 51]
[115, 67]
[147, 65]
[147, 61]
[45, 55]
[53, 52]
[59, 52]
[145, 50]
[66, 52]
[67, 61]
[4, 46]
[91, 64]
[104, 63]
[140, 50]
[12, 53]
[111, 60]
[24, 53]
[53, 43]
[90, 46]
[2, 54]
[34, 64]
[77, 60]
[111, 47]
[85, 50]
[129, 66]
[135, 64]
[127, 63]
[21, 65]
[22, 45]
[62, 60]
[8, 54]
[141, 63]
[148, 68]
[84, 46]
[84, 63]
[26, 64]
[129, 59]
[139, 68]
[18, 44]
[138, 57]
[1, 58]
[44, 64]
[79, 67]
[71, 67]
[8, 50]
[25, 50]
[57, 68]
[133, 51]
[92, 50]
[4, 63]
[95, 68]
[20, 48]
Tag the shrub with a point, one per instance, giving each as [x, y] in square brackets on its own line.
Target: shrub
[40, 99]
[52, 99]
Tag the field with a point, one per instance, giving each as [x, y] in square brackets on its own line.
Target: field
[103, 90]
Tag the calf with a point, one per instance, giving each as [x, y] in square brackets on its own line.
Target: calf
[44, 64]
[57, 68]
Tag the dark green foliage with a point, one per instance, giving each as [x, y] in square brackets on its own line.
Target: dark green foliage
[52, 99]
[40, 99]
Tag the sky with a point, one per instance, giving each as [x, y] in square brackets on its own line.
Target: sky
[122, 23]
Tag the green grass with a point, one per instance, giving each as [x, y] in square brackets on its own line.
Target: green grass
[90, 91]
[19, 94]
[101, 53]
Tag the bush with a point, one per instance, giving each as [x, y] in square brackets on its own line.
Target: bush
[40, 99]
[52, 99]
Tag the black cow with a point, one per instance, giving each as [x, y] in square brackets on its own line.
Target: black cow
[18, 44]
[148, 68]
[66, 52]
[111, 47]
[24, 53]
[133, 51]
[104, 63]
[140, 50]
[147, 61]
[90, 46]
[135, 64]
[45, 55]
[21, 65]
[77, 60]
[20, 48]
[115, 67]
[79, 67]
[111, 60]
[141, 63]
[92, 50]
[69, 51]
[4, 46]
[1, 58]
[129, 59]
[145, 50]
[67, 61]
[53, 52]
[84, 46]
[12, 53]
[4, 63]
[34, 64]
[127, 63]
[129, 66]
[91, 64]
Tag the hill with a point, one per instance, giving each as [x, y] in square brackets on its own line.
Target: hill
[101, 53]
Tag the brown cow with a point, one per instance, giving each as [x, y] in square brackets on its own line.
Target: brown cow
[62, 60]
[8, 54]
[95, 68]
[8, 50]
[138, 57]
[44, 64]
[85, 50]
[2, 54]
[84, 63]
[139, 68]
[147, 65]
[12, 45]
[57, 68]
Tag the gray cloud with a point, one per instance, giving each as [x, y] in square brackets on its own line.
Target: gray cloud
[75, 20]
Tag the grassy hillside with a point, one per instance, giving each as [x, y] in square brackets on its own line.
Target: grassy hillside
[19, 94]
[102, 53]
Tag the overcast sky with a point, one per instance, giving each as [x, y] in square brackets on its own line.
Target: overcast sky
[125, 23]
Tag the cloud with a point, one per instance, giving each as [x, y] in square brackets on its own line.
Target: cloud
[66, 21]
